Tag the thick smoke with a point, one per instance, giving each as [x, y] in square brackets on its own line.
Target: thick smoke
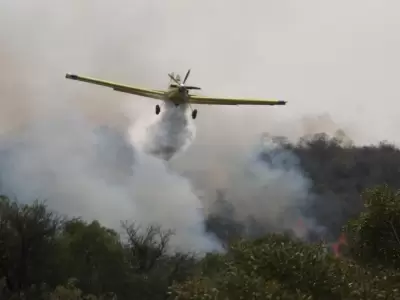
[269, 186]
[264, 186]
[97, 173]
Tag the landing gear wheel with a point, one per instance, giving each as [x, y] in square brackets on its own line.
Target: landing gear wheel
[194, 114]
[158, 109]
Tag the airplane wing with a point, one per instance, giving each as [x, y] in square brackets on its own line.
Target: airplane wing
[233, 101]
[155, 94]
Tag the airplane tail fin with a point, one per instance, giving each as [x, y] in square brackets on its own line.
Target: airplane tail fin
[171, 76]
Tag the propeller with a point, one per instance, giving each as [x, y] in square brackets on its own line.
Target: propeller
[186, 76]
[182, 85]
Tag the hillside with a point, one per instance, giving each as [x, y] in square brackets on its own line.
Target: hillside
[339, 171]
[44, 255]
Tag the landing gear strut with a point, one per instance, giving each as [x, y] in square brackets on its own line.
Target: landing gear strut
[194, 114]
[158, 109]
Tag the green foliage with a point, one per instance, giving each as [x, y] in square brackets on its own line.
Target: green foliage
[235, 286]
[294, 264]
[40, 253]
[93, 255]
[27, 240]
[44, 257]
[152, 271]
[374, 237]
[272, 267]
[279, 268]
[341, 171]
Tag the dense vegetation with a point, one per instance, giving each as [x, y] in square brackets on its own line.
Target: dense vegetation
[46, 256]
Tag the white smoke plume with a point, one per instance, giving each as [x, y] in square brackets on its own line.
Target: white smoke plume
[96, 173]
[165, 136]
[270, 187]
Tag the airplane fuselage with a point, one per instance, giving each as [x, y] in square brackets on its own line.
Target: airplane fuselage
[176, 96]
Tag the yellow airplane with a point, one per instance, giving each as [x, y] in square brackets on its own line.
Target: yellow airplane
[177, 93]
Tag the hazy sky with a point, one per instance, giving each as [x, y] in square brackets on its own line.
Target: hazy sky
[335, 63]
[338, 58]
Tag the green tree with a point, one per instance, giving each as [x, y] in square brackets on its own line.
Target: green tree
[278, 267]
[274, 266]
[374, 237]
[152, 268]
[28, 234]
[94, 255]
